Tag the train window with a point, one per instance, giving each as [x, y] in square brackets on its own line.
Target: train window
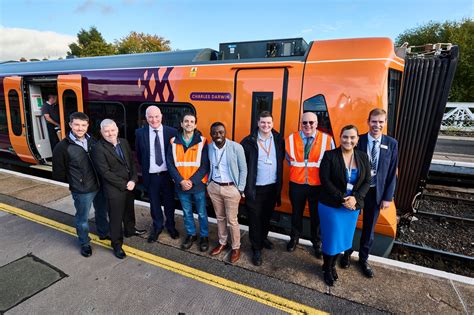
[261, 101]
[69, 106]
[317, 105]
[394, 85]
[99, 111]
[15, 112]
[172, 113]
[3, 118]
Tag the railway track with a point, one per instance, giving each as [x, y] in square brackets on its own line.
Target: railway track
[433, 258]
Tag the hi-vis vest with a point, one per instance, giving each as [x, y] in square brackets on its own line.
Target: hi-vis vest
[187, 163]
[306, 171]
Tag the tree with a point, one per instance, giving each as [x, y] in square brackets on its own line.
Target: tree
[140, 42]
[457, 33]
[90, 43]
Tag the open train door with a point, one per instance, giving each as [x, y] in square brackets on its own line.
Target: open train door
[69, 99]
[15, 107]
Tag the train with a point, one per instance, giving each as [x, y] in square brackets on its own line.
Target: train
[340, 80]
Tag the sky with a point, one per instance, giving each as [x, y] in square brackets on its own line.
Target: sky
[44, 28]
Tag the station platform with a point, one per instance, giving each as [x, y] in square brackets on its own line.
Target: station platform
[42, 271]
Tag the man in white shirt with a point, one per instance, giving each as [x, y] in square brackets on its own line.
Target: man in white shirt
[152, 143]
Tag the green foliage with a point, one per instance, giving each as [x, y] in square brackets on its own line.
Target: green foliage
[457, 33]
[140, 42]
[91, 43]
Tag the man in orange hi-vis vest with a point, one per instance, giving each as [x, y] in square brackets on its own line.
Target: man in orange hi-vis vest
[304, 152]
[188, 165]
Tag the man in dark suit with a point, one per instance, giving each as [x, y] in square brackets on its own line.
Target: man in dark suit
[152, 144]
[113, 159]
[383, 156]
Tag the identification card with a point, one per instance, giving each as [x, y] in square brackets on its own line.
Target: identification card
[350, 186]
[383, 146]
[373, 173]
[268, 162]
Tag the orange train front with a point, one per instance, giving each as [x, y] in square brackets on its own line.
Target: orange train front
[339, 80]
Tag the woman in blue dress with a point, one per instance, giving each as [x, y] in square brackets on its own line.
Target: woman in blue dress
[345, 179]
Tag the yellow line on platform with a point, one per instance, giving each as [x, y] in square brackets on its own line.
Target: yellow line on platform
[228, 285]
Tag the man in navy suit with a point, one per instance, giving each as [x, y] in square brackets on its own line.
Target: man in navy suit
[152, 143]
[383, 155]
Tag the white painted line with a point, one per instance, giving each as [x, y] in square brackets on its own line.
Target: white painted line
[464, 164]
[380, 260]
[443, 162]
[420, 269]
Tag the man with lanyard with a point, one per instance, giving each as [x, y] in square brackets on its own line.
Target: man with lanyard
[305, 150]
[50, 113]
[188, 165]
[227, 177]
[383, 156]
[72, 164]
[264, 153]
[114, 162]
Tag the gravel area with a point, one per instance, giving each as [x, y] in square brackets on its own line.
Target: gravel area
[438, 233]
[453, 208]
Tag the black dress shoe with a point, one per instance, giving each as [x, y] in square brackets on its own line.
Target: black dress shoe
[135, 233]
[86, 250]
[204, 244]
[267, 244]
[291, 246]
[366, 270]
[174, 234]
[257, 257]
[153, 236]
[318, 252]
[119, 253]
[105, 237]
[345, 261]
[188, 242]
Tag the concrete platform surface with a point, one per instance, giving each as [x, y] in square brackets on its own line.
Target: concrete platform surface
[396, 288]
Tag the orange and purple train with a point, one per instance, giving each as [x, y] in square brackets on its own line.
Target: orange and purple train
[340, 80]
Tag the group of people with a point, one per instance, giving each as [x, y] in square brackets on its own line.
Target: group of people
[335, 183]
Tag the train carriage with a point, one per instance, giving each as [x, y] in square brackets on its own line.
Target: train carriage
[339, 80]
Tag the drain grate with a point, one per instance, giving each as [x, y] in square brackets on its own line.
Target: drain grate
[23, 278]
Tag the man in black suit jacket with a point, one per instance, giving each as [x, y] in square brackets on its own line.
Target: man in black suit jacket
[113, 159]
[152, 144]
[383, 156]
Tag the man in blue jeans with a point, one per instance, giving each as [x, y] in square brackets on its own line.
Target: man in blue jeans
[72, 164]
[188, 164]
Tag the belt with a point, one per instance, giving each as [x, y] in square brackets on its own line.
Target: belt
[225, 184]
[160, 173]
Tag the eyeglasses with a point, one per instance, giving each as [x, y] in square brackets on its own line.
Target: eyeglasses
[308, 122]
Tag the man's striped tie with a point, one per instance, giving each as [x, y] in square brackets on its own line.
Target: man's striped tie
[373, 162]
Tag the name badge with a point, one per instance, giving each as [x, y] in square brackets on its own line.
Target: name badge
[350, 186]
[268, 162]
[373, 173]
[383, 146]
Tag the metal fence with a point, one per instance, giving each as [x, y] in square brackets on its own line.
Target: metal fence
[458, 117]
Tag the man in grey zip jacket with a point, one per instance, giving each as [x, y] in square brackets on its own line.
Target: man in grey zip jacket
[227, 178]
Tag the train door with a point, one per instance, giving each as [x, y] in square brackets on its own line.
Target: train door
[258, 90]
[69, 99]
[17, 127]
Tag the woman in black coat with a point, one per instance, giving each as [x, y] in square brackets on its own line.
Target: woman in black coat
[345, 179]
